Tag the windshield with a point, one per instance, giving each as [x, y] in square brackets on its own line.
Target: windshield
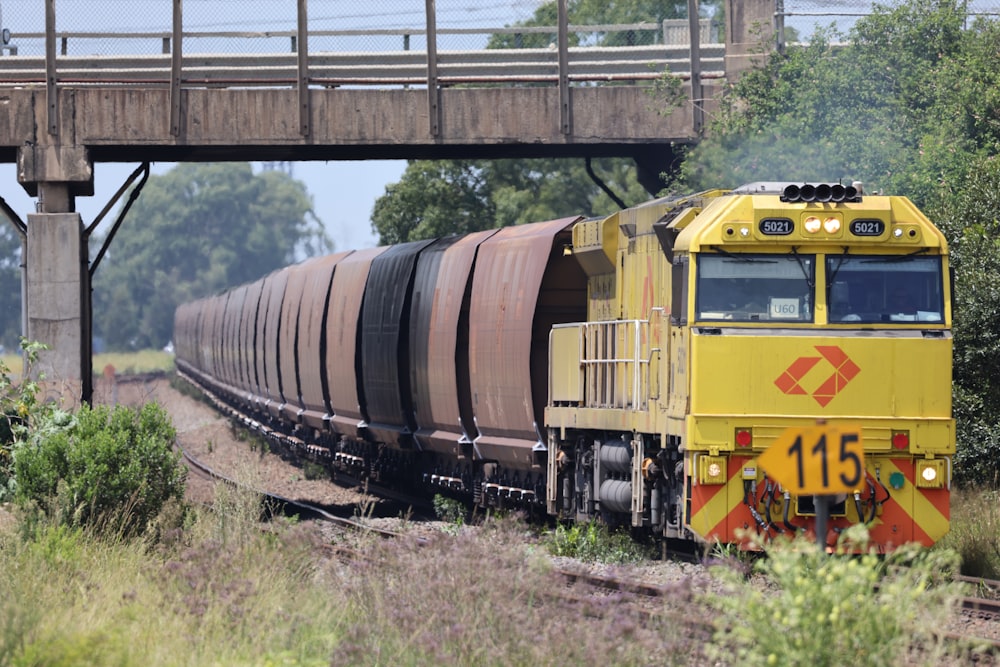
[749, 288]
[884, 289]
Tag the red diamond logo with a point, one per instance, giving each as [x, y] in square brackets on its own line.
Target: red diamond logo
[844, 371]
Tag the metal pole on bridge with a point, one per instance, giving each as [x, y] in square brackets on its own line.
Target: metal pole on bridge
[694, 40]
[565, 110]
[433, 92]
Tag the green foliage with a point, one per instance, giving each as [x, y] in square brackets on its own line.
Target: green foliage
[19, 411]
[818, 609]
[68, 597]
[448, 509]
[594, 542]
[444, 197]
[881, 109]
[968, 214]
[312, 471]
[975, 531]
[193, 231]
[105, 468]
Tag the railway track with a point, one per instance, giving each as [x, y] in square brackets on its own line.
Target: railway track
[602, 594]
[275, 503]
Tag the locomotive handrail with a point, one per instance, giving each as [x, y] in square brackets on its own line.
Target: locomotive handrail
[653, 395]
[614, 381]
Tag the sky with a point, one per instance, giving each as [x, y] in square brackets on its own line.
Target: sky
[343, 193]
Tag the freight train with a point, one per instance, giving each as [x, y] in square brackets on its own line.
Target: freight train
[629, 368]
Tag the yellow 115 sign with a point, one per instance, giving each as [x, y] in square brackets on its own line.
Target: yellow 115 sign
[817, 460]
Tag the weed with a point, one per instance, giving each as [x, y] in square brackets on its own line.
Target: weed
[448, 509]
[594, 542]
[975, 531]
[872, 608]
[312, 470]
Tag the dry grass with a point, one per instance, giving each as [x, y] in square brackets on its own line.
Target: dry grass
[223, 592]
[975, 531]
[121, 363]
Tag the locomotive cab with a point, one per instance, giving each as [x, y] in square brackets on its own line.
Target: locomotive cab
[780, 306]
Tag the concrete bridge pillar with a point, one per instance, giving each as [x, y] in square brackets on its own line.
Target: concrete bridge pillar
[58, 308]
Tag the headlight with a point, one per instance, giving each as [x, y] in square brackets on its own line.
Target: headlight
[712, 470]
[930, 474]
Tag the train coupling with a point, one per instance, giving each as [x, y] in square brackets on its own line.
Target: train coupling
[454, 483]
[349, 460]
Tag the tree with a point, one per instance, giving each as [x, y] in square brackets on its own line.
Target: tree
[877, 110]
[439, 198]
[193, 231]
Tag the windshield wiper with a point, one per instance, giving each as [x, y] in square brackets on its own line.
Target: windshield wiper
[740, 257]
[810, 281]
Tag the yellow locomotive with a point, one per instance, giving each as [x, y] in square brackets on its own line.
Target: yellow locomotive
[717, 321]
[632, 368]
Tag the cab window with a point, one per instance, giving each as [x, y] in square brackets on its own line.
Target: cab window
[865, 288]
[751, 288]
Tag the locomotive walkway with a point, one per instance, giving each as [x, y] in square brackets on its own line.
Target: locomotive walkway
[68, 107]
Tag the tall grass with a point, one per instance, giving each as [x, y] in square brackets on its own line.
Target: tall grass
[819, 609]
[68, 598]
[975, 531]
[222, 591]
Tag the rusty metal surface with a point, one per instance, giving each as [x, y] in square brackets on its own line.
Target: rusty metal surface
[248, 334]
[439, 344]
[342, 330]
[311, 345]
[385, 342]
[261, 346]
[245, 347]
[229, 345]
[210, 340]
[522, 285]
[288, 358]
[272, 333]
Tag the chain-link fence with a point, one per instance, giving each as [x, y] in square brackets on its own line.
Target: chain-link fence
[127, 27]
[805, 17]
[137, 27]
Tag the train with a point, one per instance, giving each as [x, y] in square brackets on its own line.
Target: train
[630, 369]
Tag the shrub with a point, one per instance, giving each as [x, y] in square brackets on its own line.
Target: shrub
[835, 609]
[450, 510]
[594, 542]
[104, 468]
[19, 407]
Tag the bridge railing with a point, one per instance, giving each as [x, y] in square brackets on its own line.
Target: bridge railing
[419, 55]
[496, 66]
[561, 55]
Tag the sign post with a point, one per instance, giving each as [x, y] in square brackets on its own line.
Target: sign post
[819, 460]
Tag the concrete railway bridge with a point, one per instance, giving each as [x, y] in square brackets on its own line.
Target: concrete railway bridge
[64, 112]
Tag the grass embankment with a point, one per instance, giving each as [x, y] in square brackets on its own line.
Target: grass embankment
[123, 363]
[221, 591]
[209, 587]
